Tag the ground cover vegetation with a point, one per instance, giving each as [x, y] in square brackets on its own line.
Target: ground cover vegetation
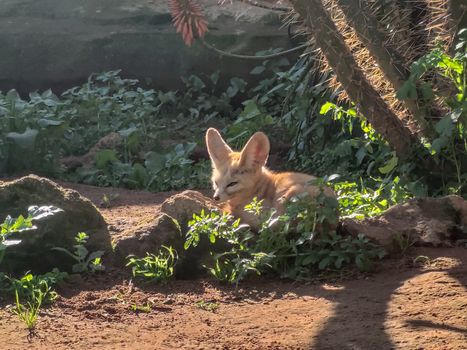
[31, 291]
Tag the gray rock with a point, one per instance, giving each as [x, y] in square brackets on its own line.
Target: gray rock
[421, 221]
[183, 205]
[78, 215]
[59, 43]
[169, 228]
[150, 237]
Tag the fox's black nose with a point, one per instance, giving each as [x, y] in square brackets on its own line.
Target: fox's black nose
[216, 197]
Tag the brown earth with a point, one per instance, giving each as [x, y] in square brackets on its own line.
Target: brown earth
[401, 306]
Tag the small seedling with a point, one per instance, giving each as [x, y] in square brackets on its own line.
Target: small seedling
[403, 242]
[145, 308]
[28, 313]
[421, 260]
[107, 200]
[207, 305]
[31, 285]
[154, 268]
[85, 261]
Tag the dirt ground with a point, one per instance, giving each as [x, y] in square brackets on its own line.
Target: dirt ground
[401, 306]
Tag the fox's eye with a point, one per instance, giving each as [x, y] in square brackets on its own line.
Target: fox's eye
[232, 184]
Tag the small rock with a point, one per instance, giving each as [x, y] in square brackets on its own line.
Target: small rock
[423, 221]
[150, 237]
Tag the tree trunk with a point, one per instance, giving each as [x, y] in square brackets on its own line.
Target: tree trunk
[378, 43]
[349, 74]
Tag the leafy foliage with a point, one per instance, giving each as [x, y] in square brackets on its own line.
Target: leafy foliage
[29, 286]
[154, 268]
[294, 104]
[8, 227]
[85, 261]
[34, 291]
[28, 313]
[35, 134]
[291, 245]
[448, 146]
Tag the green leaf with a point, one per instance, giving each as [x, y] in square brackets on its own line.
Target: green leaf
[445, 126]
[324, 263]
[139, 174]
[361, 153]
[440, 143]
[327, 107]
[308, 260]
[427, 91]
[408, 91]
[338, 262]
[25, 140]
[155, 162]
[236, 85]
[104, 157]
[250, 110]
[258, 70]
[43, 122]
[390, 165]
[214, 77]
[125, 133]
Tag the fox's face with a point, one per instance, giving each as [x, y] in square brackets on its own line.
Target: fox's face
[236, 173]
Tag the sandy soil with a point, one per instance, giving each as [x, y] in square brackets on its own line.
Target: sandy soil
[401, 306]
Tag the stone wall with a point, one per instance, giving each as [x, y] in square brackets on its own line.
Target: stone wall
[59, 43]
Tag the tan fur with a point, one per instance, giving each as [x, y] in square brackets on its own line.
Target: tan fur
[238, 177]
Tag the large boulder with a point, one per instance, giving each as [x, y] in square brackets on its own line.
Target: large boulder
[59, 43]
[77, 214]
[419, 221]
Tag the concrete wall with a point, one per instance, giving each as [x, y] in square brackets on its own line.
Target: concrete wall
[59, 43]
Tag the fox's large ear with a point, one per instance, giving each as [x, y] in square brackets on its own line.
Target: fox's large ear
[256, 150]
[217, 148]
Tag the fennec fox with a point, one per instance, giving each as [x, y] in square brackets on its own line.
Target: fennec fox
[238, 177]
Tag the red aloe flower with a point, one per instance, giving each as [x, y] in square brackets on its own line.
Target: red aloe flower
[188, 19]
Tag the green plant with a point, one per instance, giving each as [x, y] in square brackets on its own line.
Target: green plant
[421, 260]
[145, 308]
[8, 227]
[403, 242]
[29, 286]
[107, 200]
[154, 268]
[36, 133]
[233, 265]
[29, 313]
[207, 305]
[85, 261]
[448, 143]
[304, 238]
[291, 245]
[359, 201]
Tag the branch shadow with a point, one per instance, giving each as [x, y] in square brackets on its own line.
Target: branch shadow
[359, 317]
[430, 324]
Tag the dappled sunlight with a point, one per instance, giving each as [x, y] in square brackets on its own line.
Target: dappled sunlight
[426, 307]
[286, 319]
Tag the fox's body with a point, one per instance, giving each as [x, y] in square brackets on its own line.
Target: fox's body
[238, 177]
